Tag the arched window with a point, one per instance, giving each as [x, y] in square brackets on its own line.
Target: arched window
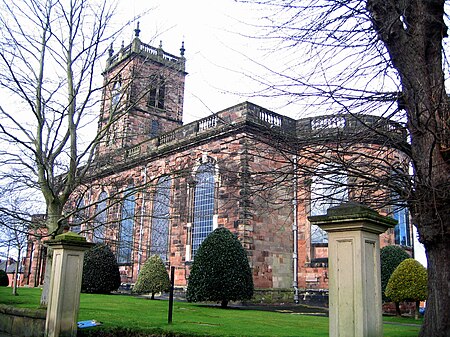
[160, 218]
[116, 93]
[100, 218]
[78, 217]
[125, 250]
[402, 230]
[400, 212]
[203, 205]
[328, 189]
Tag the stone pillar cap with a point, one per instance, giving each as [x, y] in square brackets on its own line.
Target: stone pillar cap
[353, 216]
[70, 239]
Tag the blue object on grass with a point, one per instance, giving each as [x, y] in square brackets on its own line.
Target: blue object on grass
[88, 324]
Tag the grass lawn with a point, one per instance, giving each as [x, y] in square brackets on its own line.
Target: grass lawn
[193, 319]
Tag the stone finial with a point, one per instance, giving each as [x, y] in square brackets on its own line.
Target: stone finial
[111, 50]
[136, 44]
[159, 50]
[182, 50]
[137, 30]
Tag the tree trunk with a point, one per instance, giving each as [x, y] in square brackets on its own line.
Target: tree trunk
[397, 309]
[436, 320]
[413, 33]
[224, 304]
[16, 272]
[153, 296]
[416, 310]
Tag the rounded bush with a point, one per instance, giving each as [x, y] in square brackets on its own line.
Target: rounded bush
[4, 280]
[100, 271]
[220, 271]
[153, 277]
[391, 257]
[408, 282]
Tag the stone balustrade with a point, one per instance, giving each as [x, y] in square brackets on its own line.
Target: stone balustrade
[306, 128]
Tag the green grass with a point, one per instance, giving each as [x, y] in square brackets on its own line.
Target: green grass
[194, 320]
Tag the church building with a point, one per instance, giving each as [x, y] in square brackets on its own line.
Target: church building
[160, 187]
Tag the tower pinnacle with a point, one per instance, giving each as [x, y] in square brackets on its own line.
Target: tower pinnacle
[137, 30]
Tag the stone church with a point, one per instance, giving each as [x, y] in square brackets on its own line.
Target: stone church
[160, 187]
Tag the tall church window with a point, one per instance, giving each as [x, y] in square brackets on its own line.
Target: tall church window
[78, 217]
[402, 230]
[100, 219]
[124, 252]
[157, 92]
[116, 93]
[328, 189]
[160, 218]
[203, 205]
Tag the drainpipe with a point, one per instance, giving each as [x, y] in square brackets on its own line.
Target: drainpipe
[295, 233]
[141, 223]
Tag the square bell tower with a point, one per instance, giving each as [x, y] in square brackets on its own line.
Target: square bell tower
[143, 94]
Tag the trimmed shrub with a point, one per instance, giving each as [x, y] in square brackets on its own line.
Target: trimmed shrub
[100, 271]
[220, 271]
[390, 257]
[153, 277]
[4, 280]
[408, 283]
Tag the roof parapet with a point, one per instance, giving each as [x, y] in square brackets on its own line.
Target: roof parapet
[148, 52]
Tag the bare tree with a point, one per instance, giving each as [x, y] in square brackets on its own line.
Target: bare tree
[49, 57]
[15, 226]
[386, 57]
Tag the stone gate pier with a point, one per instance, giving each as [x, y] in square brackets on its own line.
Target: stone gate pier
[354, 269]
[65, 284]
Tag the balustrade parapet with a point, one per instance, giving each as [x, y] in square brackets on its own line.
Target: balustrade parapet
[312, 127]
[349, 124]
[149, 52]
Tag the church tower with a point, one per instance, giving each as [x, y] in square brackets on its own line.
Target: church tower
[142, 97]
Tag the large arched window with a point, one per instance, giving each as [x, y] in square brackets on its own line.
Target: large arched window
[78, 217]
[160, 218]
[328, 189]
[203, 205]
[124, 252]
[100, 218]
[402, 229]
[116, 93]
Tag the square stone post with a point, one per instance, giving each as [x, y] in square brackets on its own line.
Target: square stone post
[65, 284]
[354, 269]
